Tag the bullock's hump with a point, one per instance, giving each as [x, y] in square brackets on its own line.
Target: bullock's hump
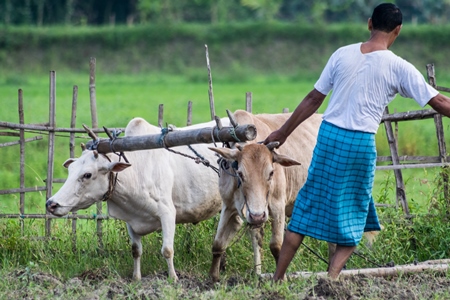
[265, 123]
[139, 126]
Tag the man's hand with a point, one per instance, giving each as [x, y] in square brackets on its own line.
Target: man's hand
[275, 136]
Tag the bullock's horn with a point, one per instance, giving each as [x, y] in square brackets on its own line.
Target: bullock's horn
[218, 122]
[83, 147]
[233, 121]
[95, 154]
[273, 145]
[91, 133]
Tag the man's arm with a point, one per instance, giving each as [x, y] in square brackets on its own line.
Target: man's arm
[304, 110]
[441, 104]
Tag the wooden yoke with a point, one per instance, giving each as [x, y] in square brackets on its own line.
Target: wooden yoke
[240, 133]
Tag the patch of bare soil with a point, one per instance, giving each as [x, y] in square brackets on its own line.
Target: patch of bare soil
[104, 284]
[408, 287]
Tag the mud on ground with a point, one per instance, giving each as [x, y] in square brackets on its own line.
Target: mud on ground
[104, 284]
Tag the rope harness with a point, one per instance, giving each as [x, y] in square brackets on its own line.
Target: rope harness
[198, 158]
[391, 264]
[113, 177]
[224, 166]
[112, 183]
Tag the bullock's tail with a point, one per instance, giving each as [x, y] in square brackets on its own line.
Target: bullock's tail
[371, 236]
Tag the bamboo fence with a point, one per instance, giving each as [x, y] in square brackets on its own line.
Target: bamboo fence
[396, 163]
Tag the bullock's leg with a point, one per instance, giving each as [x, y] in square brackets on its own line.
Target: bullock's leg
[136, 251]
[257, 238]
[277, 212]
[229, 224]
[168, 231]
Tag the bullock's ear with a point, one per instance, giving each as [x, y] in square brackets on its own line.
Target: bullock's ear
[118, 166]
[231, 154]
[67, 163]
[284, 160]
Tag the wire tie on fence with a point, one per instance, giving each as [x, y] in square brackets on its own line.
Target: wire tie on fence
[22, 216]
[94, 216]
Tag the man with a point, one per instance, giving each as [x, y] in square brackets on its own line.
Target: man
[336, 203]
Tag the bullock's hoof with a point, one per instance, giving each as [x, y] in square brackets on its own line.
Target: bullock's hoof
[214, 278]
[223, 262]
[137, 278]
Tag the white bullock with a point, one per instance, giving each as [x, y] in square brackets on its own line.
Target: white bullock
[157, 190]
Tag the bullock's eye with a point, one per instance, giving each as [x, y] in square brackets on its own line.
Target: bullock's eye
[241, 176]
[87, 175]
[270, 176]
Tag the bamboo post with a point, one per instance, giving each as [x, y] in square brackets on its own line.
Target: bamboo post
[400, 185]
[189, 114]
[93, 102]
[92, 95]
[440, 137]
[51, 143]
[248, 102]
[73, 122]
[22, 159]
[161, 115]
[210, 90]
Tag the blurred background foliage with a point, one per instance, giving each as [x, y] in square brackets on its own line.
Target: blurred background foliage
[288, 37]
[102, 12]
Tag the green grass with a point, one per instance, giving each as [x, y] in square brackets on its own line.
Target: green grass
[120, 98]
[123, 97]
[133, 80]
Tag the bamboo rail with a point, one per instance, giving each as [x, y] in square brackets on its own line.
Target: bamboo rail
[441, 266]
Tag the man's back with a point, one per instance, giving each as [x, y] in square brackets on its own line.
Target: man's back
[364, 83]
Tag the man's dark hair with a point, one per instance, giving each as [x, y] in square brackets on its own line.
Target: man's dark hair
[386, 17]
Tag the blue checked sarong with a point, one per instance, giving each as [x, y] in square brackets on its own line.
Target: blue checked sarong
[335, 204]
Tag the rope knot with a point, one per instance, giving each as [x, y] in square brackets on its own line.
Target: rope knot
[164, 132]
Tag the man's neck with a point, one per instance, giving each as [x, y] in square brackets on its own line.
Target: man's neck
[378, 41]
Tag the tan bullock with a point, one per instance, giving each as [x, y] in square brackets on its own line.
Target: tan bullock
[158, 189]
[256, 183]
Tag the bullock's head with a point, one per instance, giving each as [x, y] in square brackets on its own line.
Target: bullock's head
[89, 181]
[252, 168]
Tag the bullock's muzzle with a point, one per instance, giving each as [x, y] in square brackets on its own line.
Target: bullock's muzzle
[257, 219]
[51, 206]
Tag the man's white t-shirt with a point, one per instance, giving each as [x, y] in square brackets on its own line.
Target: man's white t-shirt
[364, 84]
